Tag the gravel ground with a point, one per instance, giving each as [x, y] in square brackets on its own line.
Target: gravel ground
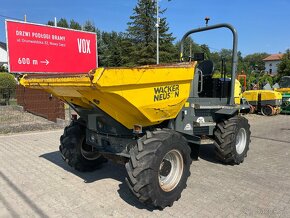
[13, 120]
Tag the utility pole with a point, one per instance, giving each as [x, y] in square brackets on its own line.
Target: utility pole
[190, 52]
[157, 32]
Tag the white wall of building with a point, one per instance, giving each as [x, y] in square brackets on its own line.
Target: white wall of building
[271, 67]
[3, 56]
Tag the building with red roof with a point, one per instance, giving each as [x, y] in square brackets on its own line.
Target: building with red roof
[271, 63]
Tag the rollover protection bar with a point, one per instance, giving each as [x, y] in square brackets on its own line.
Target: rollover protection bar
[235, 51]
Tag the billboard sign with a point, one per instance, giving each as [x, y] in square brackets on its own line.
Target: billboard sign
[35, 48]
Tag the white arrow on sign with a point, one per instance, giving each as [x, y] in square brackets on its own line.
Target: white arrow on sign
[46, 62]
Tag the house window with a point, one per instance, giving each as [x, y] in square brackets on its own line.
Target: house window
[270, 65]
[270, 71]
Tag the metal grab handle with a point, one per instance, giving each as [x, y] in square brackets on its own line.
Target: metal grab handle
[201, 81]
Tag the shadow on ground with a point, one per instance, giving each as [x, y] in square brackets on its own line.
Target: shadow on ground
[118, 172]
[207, 152]
[108, 170]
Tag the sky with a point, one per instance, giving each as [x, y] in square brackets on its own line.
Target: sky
[262, 25]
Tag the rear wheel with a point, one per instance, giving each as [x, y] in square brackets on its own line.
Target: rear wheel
[232, 138]
[158, 168]
[76, 152]
[267, 110]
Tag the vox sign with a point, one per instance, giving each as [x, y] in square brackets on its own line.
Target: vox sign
[35, 48]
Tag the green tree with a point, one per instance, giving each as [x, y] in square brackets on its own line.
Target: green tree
[205, 49]
[62, 23]
[166, 47]
[101, 47]
[89, 26]
[284, 65]
[127, 49]
[264, 79]
[112, 53]
[142, 33]
[189, 48]
[254, 62]
[242, 65]
[114, 49]
[252, 79]
[226, 56]
[216, 59]
[50, 23]
[74, 25]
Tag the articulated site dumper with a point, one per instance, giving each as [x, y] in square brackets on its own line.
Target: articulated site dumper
[151, 118]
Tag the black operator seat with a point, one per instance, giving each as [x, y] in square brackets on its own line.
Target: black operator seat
[205, 85]
[206, 67]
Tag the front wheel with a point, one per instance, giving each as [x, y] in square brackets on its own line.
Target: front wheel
[158, 168]
[232, 138]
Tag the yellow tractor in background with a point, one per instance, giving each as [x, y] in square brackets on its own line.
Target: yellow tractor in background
[266, 102]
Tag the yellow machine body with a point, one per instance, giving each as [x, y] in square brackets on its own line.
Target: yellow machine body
[283, 90]
[254, 96]
[267, 102]
[238, 92]
[143, 95]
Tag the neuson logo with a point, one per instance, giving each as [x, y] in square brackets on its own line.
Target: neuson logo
[166, 92]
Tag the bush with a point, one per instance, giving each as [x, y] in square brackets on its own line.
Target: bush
[7, 81]
[7, 88]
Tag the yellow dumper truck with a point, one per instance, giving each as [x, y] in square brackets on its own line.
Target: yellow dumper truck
[151, 118]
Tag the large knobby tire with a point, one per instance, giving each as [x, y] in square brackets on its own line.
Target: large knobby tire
[76, 152]
[158, 168]
[232, 138]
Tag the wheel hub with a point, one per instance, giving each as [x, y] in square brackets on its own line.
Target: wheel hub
[88, 152]
[267, 110]
[165, 168]
[241, 140]
[170, 170]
